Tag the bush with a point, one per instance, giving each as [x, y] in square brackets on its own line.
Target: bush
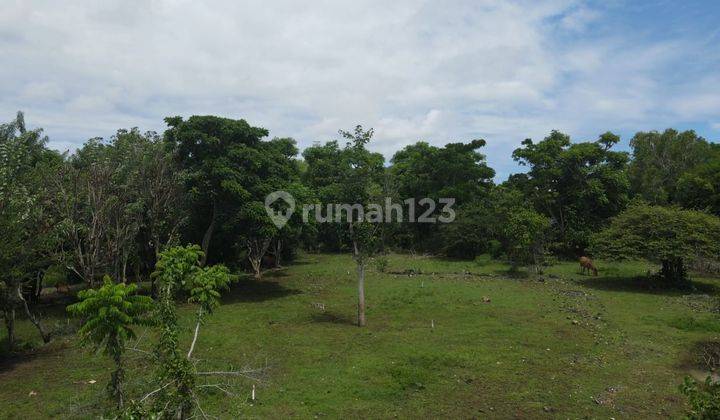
[704, 398]
[668, 235]
[483, 260]
[381, 263]
[55, 275]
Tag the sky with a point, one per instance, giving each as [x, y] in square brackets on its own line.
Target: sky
[436, 71]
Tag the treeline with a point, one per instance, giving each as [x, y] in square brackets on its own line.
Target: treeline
[113, 205]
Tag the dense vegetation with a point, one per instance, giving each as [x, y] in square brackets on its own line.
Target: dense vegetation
[122, 208]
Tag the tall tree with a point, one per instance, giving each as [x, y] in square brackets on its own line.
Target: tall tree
[86, 206]
[149, 208]
[577, 185]
[660, 159]
[351, 175]
[215, 155]
[421, 171]
[699, 187]
[26, 230]
[275, 170]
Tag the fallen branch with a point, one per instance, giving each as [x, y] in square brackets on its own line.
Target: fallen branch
[156, 391]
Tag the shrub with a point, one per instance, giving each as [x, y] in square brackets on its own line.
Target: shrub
[704, 398]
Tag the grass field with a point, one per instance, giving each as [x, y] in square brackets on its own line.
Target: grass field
[444, 339]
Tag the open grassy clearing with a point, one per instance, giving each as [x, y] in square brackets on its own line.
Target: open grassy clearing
[558, 345]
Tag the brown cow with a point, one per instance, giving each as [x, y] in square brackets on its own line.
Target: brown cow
[586, 265]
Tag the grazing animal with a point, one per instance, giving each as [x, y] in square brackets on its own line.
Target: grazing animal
[62, 288]
[586, 265]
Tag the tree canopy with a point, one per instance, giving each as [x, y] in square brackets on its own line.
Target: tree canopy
[669, 235]
[577, 185]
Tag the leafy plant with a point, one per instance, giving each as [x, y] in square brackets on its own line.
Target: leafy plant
[704, 398]
[110, 312]
[177, 269]
[381, 263]
[668, 235]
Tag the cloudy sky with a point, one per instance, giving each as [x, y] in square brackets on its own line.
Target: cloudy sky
[437, 71]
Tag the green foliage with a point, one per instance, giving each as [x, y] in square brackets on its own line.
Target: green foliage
[228, 172]
[177, 266]
[524, 233]
[469, 234]
[661, 159]
[666, 234]
[699, 188]
[27, 224]
[206, 285]
[178, 269]
[381, 263]
[55, 275]
[577, 185]
[659, 233]
[110, 313]
[349, 174]
[457, 170]
[704, 398]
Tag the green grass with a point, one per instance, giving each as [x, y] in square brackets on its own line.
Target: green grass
[558, 345]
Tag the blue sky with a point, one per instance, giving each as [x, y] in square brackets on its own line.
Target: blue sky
[413, 70]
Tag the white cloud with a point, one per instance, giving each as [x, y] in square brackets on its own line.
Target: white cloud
[414, 70]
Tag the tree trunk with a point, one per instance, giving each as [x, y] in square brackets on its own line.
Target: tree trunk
[361, 294]
[10, 325]
[35, 321]
[278, 253]
[673, 272]
[256, 252]
[256, 263]
[89, 274]
[124, 268]
[195, 335]
[38, 286]
[116, 380]
[208, 235]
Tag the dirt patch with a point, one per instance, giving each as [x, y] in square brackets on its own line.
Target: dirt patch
[704, 356]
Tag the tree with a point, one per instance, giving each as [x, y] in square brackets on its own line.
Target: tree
[147, 191]
[353, 176]
[85, 207]
[27, 230]
[421, 171]
[505, 217]
[660, 159]
[523, 236]
[216, 156]
[275, 169]
[257, 234]
[179, 269]
[668, 235]
[468, 235]
[360, 185]
[699, 187]
[324, 175]
[110, 312]
[578, 186]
